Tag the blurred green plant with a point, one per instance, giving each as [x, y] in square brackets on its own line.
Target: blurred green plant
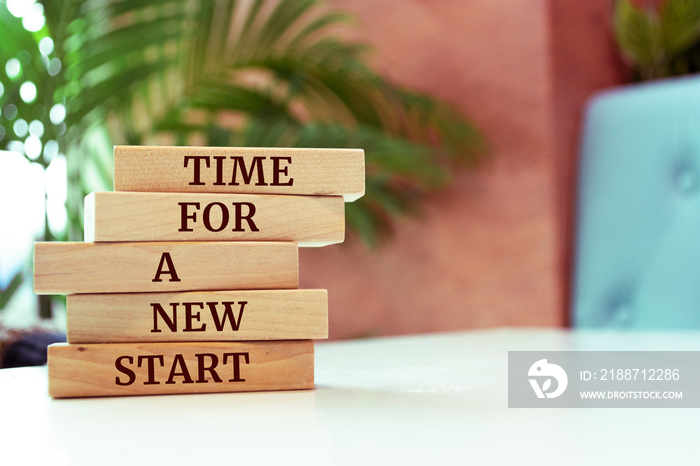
[221, 73]
[659, 41]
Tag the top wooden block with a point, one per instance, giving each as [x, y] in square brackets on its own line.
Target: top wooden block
[336, 172]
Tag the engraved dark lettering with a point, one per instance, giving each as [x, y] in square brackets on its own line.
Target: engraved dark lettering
[179, 360]
[219, 170]
[192, 316]
[248, 218]
[150, 359]
[119, 365]
[207, 364]
[214, 361]
[278, 170]
[159, 311]
[219, 323]
[224, 216]
[242, 211]
[165, 259]
[184, 216]
[236, 359]
[247, 175]
[197, 167]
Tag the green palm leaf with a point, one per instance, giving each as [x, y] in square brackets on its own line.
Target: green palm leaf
[659, 42]
[222, 72]
[227, 72]
[638, 34]
[680, 24]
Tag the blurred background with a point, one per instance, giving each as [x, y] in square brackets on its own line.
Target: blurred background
[469, 111]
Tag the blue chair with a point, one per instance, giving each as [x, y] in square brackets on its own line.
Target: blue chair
[637, 251]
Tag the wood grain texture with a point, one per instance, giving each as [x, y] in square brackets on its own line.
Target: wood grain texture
[338, 172]
[197, 316]
[131, 216]
[64, 268]
[113, 369]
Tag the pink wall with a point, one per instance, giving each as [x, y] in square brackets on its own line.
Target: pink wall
[492, 249]
[584, 60]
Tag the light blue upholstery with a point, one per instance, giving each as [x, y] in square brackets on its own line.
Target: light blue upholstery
[637, 261]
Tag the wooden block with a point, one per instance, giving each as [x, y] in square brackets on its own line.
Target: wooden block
[64, 268]
[130, 216]
[116, 369]
[198, 316]
[330, 172]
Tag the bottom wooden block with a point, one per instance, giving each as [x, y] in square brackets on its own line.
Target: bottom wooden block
[117, 369]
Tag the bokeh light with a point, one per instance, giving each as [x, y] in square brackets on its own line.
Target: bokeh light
[20, 128]
[32, 147]
[34, 19]
[16, 147]
[27, 92]
[54, 66]
[11, 112]
[50, 150]
[13, 68]
[19, 8]
[36, 128]
[57, 114]
[46, 46]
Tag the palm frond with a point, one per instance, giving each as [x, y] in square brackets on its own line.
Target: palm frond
[659, 42]
[680, 25]
[638, 34]
[263, 72]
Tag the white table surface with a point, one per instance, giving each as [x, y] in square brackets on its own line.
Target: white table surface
[430, 399]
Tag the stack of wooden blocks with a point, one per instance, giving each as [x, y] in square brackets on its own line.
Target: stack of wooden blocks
[187, 279]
